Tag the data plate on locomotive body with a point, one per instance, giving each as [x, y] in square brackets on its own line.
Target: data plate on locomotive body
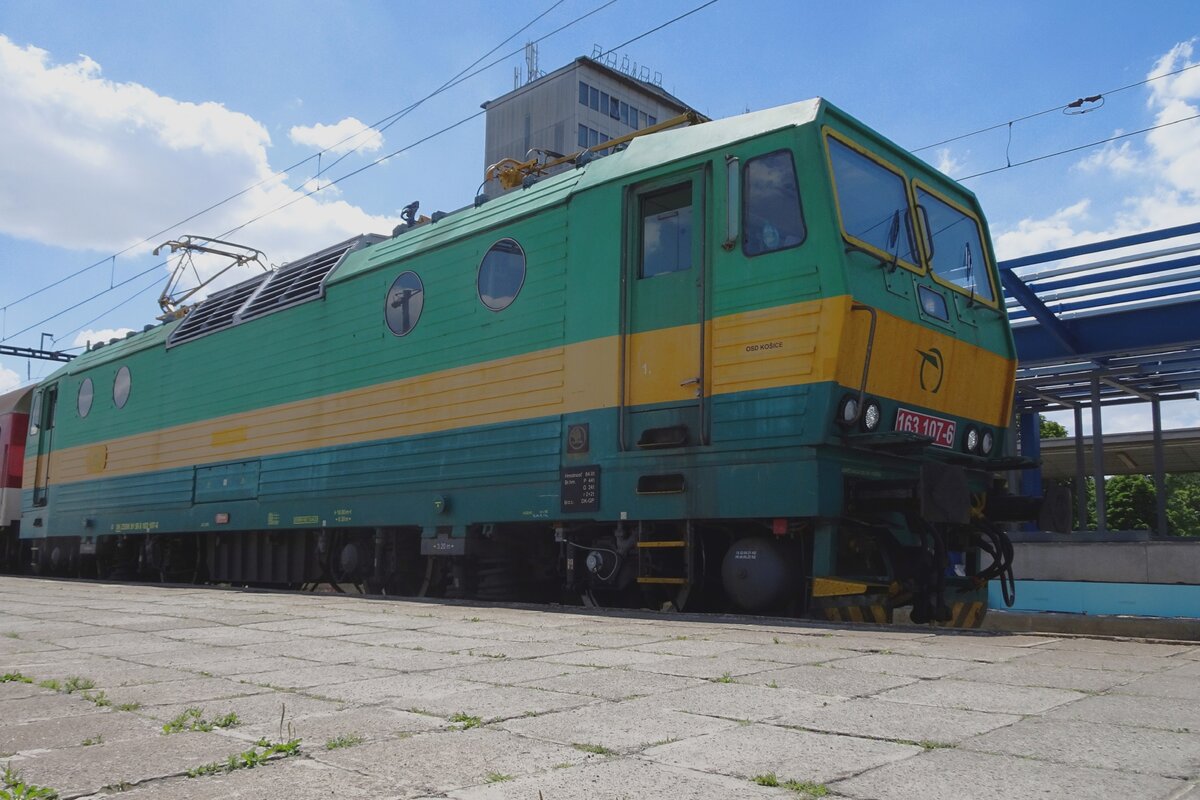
[940, 430]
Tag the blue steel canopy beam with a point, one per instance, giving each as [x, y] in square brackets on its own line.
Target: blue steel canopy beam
[1096, 247]
[1050, 324]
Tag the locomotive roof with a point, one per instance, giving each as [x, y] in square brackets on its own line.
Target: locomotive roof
[643, 152]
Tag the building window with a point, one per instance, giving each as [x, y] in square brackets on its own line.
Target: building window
[501, 274]
[84, 400]
[633, 117]
[666, 231]
[625, 113]
[405, 301]
[651, 120]
[121, 386]
[603, 100]
[594, 98]
[583, 93]
[614, 108]
[583, 136]
[771, 215]
[593, 137]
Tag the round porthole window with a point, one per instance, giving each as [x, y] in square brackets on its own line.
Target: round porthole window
[121, 385]
[86, 395]
[501, 274]
[405, 299]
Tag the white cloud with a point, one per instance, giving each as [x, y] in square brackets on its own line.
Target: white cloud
[9, 380]
[90, 336]
[340, 137]
[947, 164]
[103, 163]
[1120, 159]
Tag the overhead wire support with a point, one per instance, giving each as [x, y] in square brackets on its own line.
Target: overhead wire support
[35, 352]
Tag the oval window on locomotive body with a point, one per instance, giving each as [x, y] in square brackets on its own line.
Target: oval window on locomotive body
[83, 401]
[122, 383]
[404, 303]
[501, 274]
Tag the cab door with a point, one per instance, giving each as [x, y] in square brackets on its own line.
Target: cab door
[663, 327]
[42, 417]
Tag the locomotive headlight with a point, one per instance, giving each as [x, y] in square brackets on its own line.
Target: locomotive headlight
[971, 442]
[847, 413]
[986, 442]
[871, 416]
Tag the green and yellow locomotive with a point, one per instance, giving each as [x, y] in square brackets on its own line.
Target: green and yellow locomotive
[760, 363]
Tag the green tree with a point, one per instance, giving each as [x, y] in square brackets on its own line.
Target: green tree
[1049, 429]
[1183, 504]
[1129, 501]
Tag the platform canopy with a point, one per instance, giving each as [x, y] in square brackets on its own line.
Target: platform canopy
[1123, 327]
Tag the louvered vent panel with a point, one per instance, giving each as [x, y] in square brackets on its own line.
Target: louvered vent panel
[295, 283]
[215, 313]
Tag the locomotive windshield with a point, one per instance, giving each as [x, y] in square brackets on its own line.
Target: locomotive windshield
[958, 256]
[873, 203]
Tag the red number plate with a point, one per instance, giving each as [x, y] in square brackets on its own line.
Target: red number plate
[936, 428]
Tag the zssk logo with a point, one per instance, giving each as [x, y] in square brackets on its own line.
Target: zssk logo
[932, 369]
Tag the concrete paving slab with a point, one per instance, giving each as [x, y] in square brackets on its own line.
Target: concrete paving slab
[687, 647]
[196, 689]
[1082, 659]
[17, 690]
[611, 658]
[751, 750]
[966, 649]
[906, 665]
[738, 701]
[398, 691]
[1171, 754]
[310, 676]
[493, 703]
[512, 671]
[42, 706]
[880, 719]
[286, 779]
[711, 668]
[372, 723]
[1026, 674]
[85, 770]
[1119, 646]
[957, 774]
[613, 684]
[1182, 687]
[432, 763]
[792, 653]
[981, 696]
[95, 725]
[621, 727]
[621, 780]
[1126, 709]
[827, 680]
[271, 709]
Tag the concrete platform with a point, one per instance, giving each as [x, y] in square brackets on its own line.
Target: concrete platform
[412, 699]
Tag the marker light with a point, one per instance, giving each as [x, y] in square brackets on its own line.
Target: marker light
[988, 440]
[972, 440]
[847, 413]
[871, 416]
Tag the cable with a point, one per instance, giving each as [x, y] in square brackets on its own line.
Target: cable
[460, 78]
[1080, 147]
[1055, 108]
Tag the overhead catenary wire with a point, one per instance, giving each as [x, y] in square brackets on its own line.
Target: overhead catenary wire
[1011, 122]
[385, 121]
[1079, 147]
[361, 169]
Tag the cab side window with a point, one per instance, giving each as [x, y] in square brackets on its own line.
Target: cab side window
[771, 215]
[666, 231]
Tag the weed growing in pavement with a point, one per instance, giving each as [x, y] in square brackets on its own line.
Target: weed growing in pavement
[496, 777]
[97, 739]
[16, 789]
[345, 740]
[802, 787]
[192, 719]
[260, 753]
[51, 684]
[776, 640]
[466, 721]
[772, 685]
[99, 698]
[597, 749]
[77, 684]
[128, 706]
[725, 678]
[12, 635]
[474, 619]
[15, 677]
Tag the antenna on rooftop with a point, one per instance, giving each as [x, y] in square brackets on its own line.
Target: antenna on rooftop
[532, 73]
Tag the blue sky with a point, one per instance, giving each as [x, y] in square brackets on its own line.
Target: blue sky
[124, 117]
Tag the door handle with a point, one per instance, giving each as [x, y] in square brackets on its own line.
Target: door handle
[691, 382]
